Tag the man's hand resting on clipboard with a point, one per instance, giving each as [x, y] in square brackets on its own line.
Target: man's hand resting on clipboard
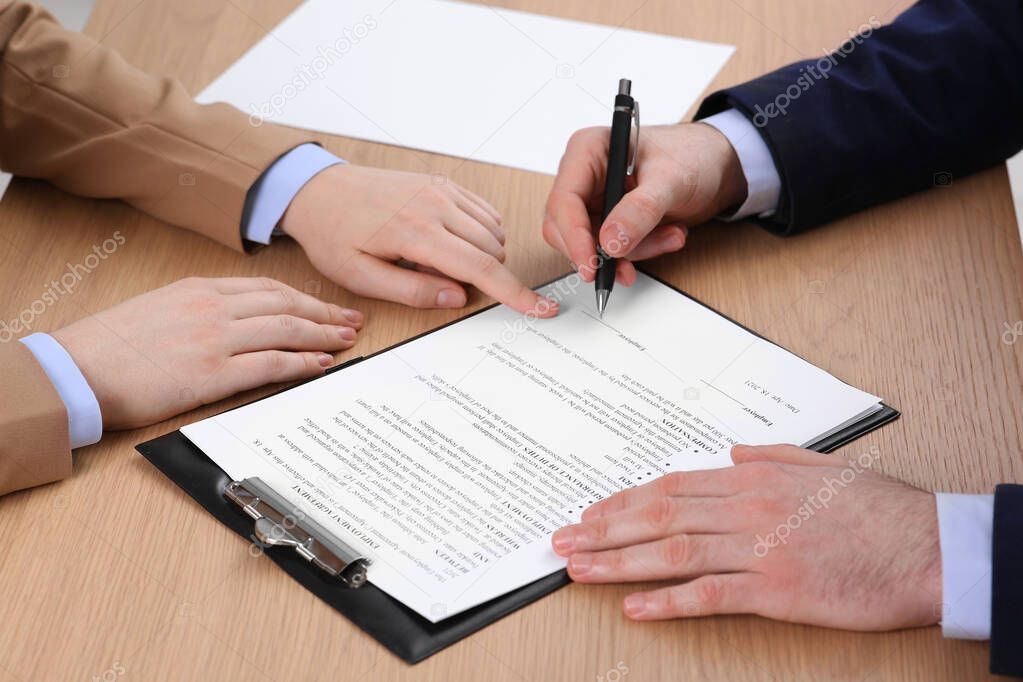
[356, 223]
[199, 340]
[866, 559]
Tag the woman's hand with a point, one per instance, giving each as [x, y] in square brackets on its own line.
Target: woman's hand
[199, 340]
[356, 223]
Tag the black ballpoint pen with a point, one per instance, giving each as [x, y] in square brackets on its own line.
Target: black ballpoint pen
[618, 168]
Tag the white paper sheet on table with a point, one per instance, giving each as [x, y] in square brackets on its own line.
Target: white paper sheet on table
[461, 79]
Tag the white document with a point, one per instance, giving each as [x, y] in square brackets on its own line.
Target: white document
[451, 459]
[1015, 165]
[467, 80]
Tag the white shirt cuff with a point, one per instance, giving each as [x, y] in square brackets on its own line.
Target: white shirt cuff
[964, 526]
[762, 177]
[279, 185]
[85, 422]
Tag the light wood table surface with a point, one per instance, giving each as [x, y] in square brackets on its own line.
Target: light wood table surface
[116, 574]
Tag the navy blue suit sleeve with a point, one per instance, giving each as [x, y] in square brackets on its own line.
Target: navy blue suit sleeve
[1006, 582]
[933, 96]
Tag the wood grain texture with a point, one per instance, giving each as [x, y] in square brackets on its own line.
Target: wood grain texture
[115, 573]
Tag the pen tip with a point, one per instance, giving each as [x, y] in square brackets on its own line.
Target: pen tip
[602, 296]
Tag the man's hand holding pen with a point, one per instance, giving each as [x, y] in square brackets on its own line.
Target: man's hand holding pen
[685, 175]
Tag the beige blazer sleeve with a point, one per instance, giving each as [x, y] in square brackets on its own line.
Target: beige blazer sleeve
[34, 438]
[74, 113]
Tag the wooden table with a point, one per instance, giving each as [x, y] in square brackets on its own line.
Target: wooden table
[116, 573]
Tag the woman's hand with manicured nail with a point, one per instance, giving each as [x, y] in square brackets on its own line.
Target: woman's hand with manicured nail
[199, 340]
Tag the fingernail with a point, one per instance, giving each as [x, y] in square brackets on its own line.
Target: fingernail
[353, 316]
[635, 605]
[619, 241]
[449, 298]
[346, 333]
[673, 243]
[324, 359]
[547, 307]
[609, 243]
[563, 540]
[740, 449]
[581, 563]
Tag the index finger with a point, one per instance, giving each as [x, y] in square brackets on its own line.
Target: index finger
[702, 483]
[646, 523]
[461, 260]
[577, 184]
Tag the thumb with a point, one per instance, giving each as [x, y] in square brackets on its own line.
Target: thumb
[785, 454]
[635, 216]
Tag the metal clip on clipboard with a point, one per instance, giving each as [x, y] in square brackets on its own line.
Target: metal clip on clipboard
[281, 524]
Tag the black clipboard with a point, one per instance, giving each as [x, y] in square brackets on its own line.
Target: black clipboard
[403, 631]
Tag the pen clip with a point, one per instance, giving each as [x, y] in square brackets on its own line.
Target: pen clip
[635, 149]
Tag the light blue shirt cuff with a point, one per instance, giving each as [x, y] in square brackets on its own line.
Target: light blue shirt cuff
[762, 177]
[279, 185]
[85, 422]
[965, 525]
